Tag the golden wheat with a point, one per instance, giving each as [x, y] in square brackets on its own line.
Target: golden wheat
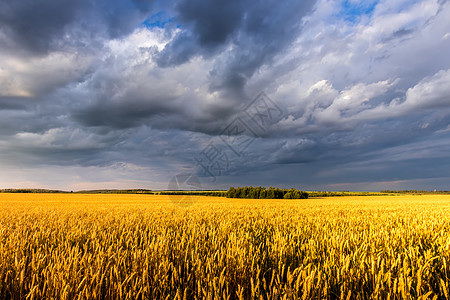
[76, 246]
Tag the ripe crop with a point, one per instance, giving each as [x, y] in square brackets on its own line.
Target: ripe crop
[76, 246]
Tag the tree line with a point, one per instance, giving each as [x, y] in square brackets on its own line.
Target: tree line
[251, 192]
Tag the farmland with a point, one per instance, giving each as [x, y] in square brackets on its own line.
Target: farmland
[91, 246]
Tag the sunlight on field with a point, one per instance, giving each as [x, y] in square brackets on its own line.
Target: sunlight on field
[144, 246]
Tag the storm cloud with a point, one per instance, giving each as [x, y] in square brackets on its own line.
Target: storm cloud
[101, 94]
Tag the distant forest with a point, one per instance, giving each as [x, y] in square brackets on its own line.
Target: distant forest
[251, 192]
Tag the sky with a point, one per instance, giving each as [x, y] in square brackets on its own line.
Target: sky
[313, 94]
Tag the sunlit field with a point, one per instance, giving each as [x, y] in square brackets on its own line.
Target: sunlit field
[75, 246]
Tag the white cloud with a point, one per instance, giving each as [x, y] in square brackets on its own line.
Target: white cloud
[390, 20]
[58, 138]
[36, 76]
[430, 93]
[351, 101]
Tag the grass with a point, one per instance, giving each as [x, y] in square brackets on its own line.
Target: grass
[81, 246]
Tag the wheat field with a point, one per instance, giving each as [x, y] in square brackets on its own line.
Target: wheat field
[75, 246]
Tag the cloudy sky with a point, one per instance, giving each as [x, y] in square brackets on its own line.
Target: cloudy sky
[314, 94]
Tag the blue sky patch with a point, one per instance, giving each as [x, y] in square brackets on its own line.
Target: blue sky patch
[352, 10]
[159, 20]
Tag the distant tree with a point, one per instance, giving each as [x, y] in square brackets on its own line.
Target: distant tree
[288, 195]
[279, 193]
[263, 194]
[231, 193]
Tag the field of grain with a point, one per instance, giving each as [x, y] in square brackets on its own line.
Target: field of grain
[74, 246]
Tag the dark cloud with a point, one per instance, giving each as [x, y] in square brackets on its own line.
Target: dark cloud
[38, 27]
[213, 22]
[15, 103]
[98, 86]
[179, 51]
[255, 31]
[206, 27]
[35, 25]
